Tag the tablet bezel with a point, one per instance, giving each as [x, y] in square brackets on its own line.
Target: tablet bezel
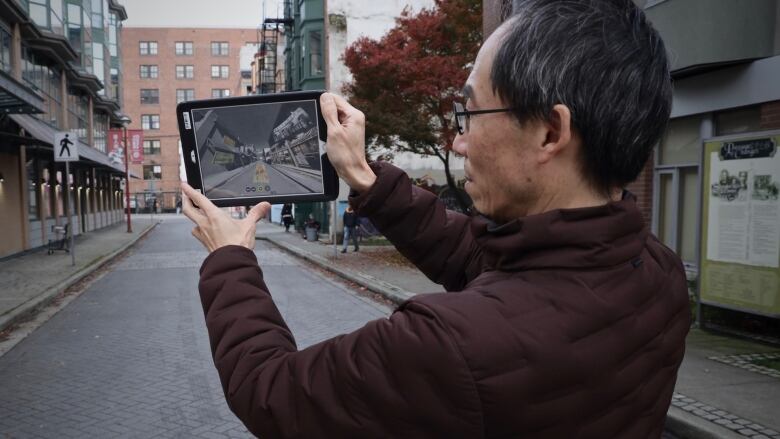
[189, 148]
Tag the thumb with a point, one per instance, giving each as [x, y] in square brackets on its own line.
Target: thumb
[329, 110]
[258, 212]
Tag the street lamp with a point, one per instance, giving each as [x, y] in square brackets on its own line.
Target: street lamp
[125, 122]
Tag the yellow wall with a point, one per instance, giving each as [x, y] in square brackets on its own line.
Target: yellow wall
[11, 230]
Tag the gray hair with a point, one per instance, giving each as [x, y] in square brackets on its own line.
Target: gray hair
[605, 62]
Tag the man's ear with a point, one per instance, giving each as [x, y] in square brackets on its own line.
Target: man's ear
[559, 133]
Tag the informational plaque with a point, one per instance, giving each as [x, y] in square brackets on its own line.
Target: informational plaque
[740, 246]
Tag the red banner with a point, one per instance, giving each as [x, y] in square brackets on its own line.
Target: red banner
[136, 140]
[116, 151]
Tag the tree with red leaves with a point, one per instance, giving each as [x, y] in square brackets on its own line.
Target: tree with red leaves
[406, 82]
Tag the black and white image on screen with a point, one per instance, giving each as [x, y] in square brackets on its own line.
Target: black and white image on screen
[259, 150]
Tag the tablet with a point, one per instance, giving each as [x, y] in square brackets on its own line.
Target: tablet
[243, 150]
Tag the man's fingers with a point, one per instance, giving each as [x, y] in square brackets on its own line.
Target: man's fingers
[329, 109]
[203, 203]
[342, 104]
[190, 211]
[258, 212]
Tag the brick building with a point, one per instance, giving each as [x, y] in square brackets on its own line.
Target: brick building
[165, 66]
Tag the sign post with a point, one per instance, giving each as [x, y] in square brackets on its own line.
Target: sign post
[66, 150]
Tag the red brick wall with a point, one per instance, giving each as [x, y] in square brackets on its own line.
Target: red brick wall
[643, 189]
[166, 60]
[770, 115]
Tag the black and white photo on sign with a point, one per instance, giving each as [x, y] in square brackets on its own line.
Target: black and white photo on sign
[259, 150]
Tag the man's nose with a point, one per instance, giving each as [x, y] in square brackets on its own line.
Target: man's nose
[459, 145]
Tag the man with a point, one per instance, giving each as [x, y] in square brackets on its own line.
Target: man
[570, 317]
[287, 217]
[350, 229]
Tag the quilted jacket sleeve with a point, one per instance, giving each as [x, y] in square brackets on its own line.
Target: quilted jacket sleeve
[438, 241]
[396, 377]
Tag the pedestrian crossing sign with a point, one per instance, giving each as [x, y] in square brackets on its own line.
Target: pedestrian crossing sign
[66, 146]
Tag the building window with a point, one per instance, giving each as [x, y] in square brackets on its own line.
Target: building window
[185, 94]
[151, 147]
[78, 110]
[147, 47]
[150, 121]
[220, 48]
[5, 50]
[738, 121]
[676, 187]
[150, 96]
[46, 79]
[183, 48]
[315, 54]
[32, 189]
[99, 131]
[149, 71]
[185, 72]
[220, 72]
[152, 172]
[220, 92]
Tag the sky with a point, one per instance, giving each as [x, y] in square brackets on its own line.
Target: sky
[198, 13]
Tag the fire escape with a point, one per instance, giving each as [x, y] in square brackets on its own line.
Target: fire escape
[269, 80]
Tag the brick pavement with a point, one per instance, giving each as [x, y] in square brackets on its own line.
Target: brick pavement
[130, 357]
[36, 276]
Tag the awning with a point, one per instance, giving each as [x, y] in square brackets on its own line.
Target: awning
[45, 134]
[18, 98]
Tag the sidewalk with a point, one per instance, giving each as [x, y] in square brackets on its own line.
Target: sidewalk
[33, 279]
[720, 393]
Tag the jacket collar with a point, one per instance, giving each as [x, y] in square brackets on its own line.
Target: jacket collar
[566, 238]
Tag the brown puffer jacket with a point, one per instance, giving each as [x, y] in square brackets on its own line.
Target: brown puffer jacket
[568, 324]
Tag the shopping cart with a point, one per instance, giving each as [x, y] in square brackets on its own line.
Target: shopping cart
[61, 239]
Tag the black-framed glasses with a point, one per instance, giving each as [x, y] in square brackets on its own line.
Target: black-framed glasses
[462, 116]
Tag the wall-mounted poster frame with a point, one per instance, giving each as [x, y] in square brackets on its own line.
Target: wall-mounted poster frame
[739, 255]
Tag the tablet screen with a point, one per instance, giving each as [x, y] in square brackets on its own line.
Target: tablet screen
[257, 150]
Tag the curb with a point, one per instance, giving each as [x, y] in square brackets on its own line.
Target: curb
[687, 426]
[387, 290]
[48, 295]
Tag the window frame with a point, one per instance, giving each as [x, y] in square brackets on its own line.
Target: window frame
[188, 71]
[222, 92]
[219, 45]
[154, 99]
[150, 122]
[149, 150]
[187, 48]
[223, 71]
[148, 48]
[150, 68]
[185, 92]
[155, 176]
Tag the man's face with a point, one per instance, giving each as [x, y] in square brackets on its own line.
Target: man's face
[500, 170]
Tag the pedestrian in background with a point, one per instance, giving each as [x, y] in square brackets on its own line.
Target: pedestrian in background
[350, 229]
[568, 317]
[287, 217]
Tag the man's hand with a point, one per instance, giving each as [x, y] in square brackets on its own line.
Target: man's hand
[347, 141]
[214, 227]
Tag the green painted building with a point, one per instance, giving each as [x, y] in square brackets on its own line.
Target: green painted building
[305, 70]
